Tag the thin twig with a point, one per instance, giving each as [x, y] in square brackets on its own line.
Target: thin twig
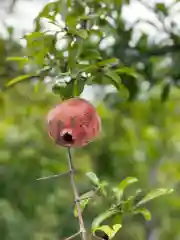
[76, 196]
[54, 176]
[73, 236]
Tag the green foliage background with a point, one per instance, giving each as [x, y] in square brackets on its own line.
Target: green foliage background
[140, 137]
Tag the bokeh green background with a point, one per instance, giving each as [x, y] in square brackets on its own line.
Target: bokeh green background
[140, 138]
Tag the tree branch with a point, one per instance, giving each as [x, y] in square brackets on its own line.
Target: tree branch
[76, 196]
[54, 176]
[73, 236]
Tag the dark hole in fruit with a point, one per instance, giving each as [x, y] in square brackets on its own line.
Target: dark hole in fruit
[67, 137]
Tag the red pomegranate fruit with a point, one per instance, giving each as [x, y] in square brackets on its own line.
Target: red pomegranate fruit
[73, 123]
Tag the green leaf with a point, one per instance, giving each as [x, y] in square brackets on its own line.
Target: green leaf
[19, 79]
[49, 12]
[154, 194]
[88, 68]
[33, 37]
[102, 187]
[94, 179]
[74, 51]
[108, 62]
[145, 212]
[139, 195]
[39, 45]
[115, 78]
[65, 91]
[71, 23]
[122, 186]
[105, 232]
[83, 204]
[78, 86]
[103, 216]
[115, 229]
[16, 59]
[127, 206]
[92, 54]
[118, 4]
[142, 42]
[84, 200]
[82, 33]
[123, 92]
[89, 194]
[128, 71]
[162, 8]
[39, 58]
[88, 17]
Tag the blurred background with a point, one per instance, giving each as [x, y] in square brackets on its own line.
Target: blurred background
[140, 137]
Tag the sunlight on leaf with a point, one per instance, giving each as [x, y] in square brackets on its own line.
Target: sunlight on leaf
[154, 194]
[145, 212]
[94, 179]
[121, 187]
[16, 59]
[106, 232]
[103, 216]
